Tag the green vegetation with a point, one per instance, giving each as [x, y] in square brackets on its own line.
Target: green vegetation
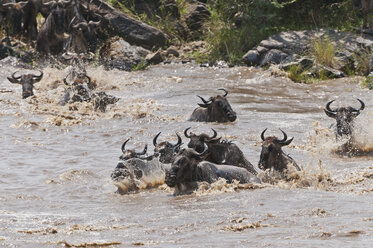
[323, 51]
[296, 74]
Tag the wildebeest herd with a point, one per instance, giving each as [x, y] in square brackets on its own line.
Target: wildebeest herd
[206, 158]
[70, 25]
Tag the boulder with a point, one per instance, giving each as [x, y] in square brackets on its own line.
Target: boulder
[251, 58]
[273, 56]
[116, 53]
[132, 30]
[197, 16]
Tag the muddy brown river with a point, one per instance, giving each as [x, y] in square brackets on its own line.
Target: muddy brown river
[56, 190]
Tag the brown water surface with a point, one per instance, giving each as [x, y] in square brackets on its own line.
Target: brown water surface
[55, 186]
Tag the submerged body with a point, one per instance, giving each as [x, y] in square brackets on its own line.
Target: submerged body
[189, 168]
[135, 174]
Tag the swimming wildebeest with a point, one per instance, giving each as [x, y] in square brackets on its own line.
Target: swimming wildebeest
[189, 168]
[216, 109]
[272, 156]
[51, 37]
[136, 171]
[27, 81]
[344, 117]
[220, 152]
[166, 150]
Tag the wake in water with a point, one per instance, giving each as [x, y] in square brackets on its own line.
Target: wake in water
[322, 140]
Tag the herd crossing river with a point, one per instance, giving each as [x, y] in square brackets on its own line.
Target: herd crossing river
[56, 162]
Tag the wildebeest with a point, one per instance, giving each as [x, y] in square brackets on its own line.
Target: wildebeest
[27, 81]
[127, 153]
[344, 117]
[272, 156]
[11, 14]
[216, 109]
[52, 37]
[166, 150]
[84, 37]
[136, 171]
[220, 152]
[189, 168]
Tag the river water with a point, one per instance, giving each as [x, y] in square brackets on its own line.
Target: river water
[56, 190]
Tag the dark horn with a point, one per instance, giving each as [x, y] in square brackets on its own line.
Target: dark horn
[214, 135]
[178, 140]
[285, 137]
[203, 100]
[186, 132]
[362, 105]
[262, 135]
[124, 145]
[14, 77]
[155, 139]
[89, 79]
[327, 107]
[144, 151]
[226, 92]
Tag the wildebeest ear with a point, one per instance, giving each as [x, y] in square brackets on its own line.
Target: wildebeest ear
[330, 114]
[203, 105]
[13, 80]
[287, 142]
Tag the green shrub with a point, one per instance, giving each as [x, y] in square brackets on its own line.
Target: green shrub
[323, 51]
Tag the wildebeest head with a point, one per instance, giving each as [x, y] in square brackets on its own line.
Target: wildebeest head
[27, 81]
[271, 154]
[127, 154]
[344, 117]
[84, 35]
[58, 14]
[184, 166]
[165, 149]
[219, 107]
[197, 142]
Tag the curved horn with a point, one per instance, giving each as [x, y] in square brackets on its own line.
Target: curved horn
[50, 3]
[80, 24]
[285, 137]
[14, 77]
[203, 100]
[327, 107]
[94, 24]
[65, 81]
[214, 135]
[362, 105]
[155, 139]
[262, 135]
[144, 151]
[38, 77]
[124, 145]
[226, 92]
[186, 132]
[178, 140]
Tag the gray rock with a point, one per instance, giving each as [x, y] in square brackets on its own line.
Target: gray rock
[133, 31]
[154, 58]
[305, 64]
[197, 16]
[251, 58]
[119, 54]
[273, 56]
